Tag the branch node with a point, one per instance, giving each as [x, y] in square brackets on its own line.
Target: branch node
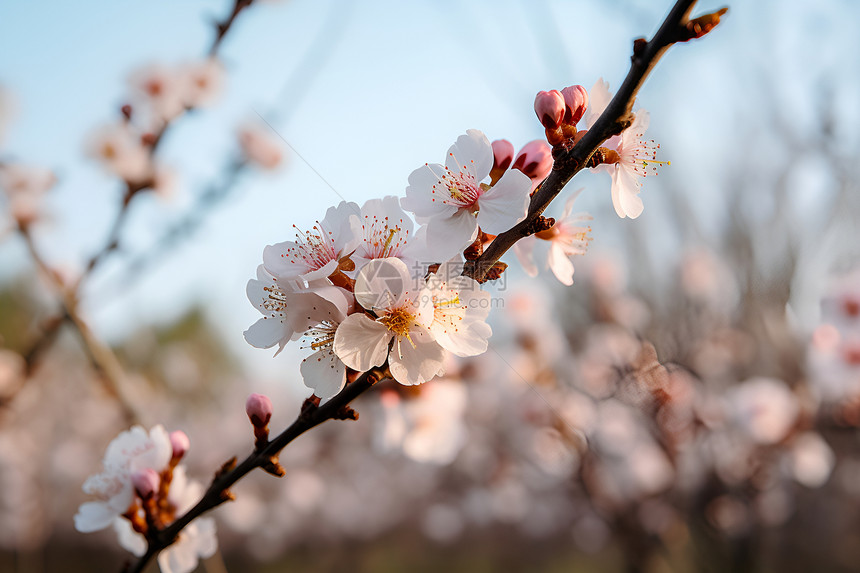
[345, 413]
[538, 225]
[309, 406]
[272, 466]
[700, 26]
[225, 468]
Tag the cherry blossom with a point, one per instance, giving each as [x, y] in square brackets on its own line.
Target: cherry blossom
[202, 82]
[131, 451]
[196, 540]
[453, 202]
[460, 310]
[567, 238]
[427, 428]
[400, 312]
[259, 147]
[161, 89]
[289, 308]
[636, 157]
[119, 149]
[385, 231]
[24, 187]
[320, 251]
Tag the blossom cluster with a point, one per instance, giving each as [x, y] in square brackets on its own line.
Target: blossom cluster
[141, 490]
[363, 288]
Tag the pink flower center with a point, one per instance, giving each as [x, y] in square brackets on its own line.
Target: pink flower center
[639, 155]
[314, 248]
[459, 189]
[383, 237]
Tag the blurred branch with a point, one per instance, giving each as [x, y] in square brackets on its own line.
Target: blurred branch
[570, 159]
[217, 191]
[266, 457]
[221, 28]
[106, 362]
[102, 358]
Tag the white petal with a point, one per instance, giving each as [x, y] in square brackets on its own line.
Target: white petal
[447, 236]
[598, 98]
[568, 205]
[625, 193]
[505, 204]
[524, 250]
[324, 373]
[267, 332]
[383, 283]
[278, 263]
[361, 342]
[128, 538]
[470, 338]
[416, 361]
[472, 152]
[425, 184]
[560, 264]
[338, 222]
[94, 516]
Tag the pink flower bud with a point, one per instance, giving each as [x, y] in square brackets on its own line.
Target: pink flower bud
[180, 443]
[146, 482]
[535, 160]
[575, 103]
[259, 410]
[503, 154]
[549, 107]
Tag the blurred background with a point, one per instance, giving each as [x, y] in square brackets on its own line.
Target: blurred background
[690, 403]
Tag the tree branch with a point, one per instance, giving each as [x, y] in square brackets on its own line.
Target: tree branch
[218, 492]
[570, 159]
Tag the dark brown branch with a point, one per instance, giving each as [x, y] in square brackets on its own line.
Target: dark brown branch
[221, 28]
[569, 160]
[310, 416]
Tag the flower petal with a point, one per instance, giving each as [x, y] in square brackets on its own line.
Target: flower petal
[383, 283]
[94, 516]
[447, 236]
[524, 250]
[417, 360]
[267, 332]
[324, 373]
[361, 342]
[472, 153]
[560, 265]
[625, 193]
[505, 204]
[421, 193]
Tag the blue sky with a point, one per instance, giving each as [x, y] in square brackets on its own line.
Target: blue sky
[365, 92]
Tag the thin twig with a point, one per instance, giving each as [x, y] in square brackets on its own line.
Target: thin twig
[218, 492]
[103, 359]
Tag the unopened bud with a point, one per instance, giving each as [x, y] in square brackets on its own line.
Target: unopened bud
[535, 160]
[259, 410]
[180, 443]
[145, 482]
[575, 103]
[503, 154]
[549, 107]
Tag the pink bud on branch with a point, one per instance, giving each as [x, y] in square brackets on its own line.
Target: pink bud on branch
[180, 443]
[259, 410]
[575, 103]
[503, 155]
[535, 160]
[146, 482]
[549, 107]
